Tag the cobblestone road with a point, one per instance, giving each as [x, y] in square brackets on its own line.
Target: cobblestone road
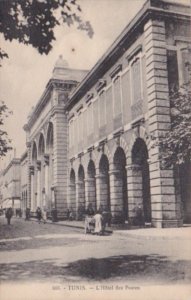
[32, 252]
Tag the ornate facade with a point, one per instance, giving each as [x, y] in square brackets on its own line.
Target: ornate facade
[10, 185]
[89, 137]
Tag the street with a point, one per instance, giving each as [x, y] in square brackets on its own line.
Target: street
[66, 257]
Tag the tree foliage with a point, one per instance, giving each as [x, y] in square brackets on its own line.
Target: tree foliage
[32, 22]
[175, 145]
[4, 140]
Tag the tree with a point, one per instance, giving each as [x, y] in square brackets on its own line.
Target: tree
[4, 140]
[175, 145]
[32, 22]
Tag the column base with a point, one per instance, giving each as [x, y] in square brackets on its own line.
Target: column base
[172, 223]
[167, 223]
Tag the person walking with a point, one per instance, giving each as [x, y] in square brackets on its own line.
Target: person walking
[39, 214]
[8, 215]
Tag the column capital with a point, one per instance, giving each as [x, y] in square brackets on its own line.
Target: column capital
[31, 169]
[89, 179]
[114, 171]
[38, 164]
[46, 159]
[28, 144]
[79, 182]
[133, 167]
[100, 175]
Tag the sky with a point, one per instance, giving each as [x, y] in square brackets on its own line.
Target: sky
[24, 75]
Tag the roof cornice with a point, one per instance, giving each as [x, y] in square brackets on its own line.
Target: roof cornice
[14, 161]
[52, 83]
[150, 9]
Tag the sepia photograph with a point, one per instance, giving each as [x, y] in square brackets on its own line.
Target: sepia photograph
[95, 149]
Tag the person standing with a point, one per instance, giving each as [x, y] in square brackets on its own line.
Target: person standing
[140, 216]
[27, 218]
[98, 223]
[8, 215]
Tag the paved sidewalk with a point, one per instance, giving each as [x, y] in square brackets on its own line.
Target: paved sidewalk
[182, 233]
[147, 233]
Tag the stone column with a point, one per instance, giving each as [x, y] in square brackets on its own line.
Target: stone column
[46, 181]
[50, 180]
[38, 183]
[60, 154]
[72, 197]
[116, 195]
[135, 192]
[53, 198]
[28, 200]
[80, 199]
[32, 186]
[90, 192]
[101, 190]
[161, 181]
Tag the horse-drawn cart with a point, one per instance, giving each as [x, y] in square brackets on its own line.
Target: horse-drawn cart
[89, 224]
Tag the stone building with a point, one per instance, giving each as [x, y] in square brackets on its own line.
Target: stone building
[89, 138]
[47, 141]
[10, 185]
[24, 180]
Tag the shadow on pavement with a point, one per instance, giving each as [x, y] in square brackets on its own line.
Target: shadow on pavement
[151, 268]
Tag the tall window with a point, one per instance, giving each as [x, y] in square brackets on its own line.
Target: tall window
[76, 139]
[102, 109]
[90, 119]
[80, 127]
[71, 133]
[136, 80]
[96, 116]
[117, 96]
[84, 124]
[172, 70]
[186, 62]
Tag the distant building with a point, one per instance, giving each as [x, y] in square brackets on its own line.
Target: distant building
[89, 138]
[24, 180]
[10, 185]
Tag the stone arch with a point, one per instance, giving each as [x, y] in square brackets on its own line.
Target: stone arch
[72, 192]
[33, 177]
[49, 136]
[183, 190]
[142, 134]
[81, 204]
[104, 151]
[41, 145]
[41, 197]
[122, 144]
[119, 200]
[34, 152]
[26, 199]
[49, 165]
[85, 159]
[91, 169]
[141, 172]
[103, 197]
[91, 185]
[72, 176]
